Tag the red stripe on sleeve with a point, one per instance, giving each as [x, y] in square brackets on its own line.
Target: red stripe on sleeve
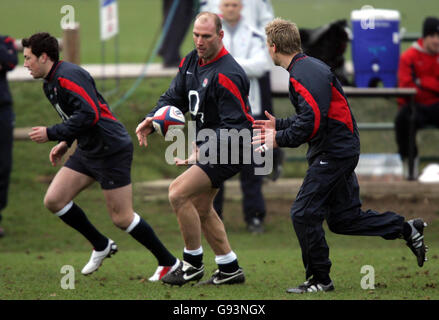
[70, 85]
[182, 62]
[229, 85]
[105, 112]
[300, 89]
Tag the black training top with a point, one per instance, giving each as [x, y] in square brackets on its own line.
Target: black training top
[323, 117]
[85, 114]
[215, 93]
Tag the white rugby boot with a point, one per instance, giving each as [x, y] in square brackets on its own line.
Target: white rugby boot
[97, 257]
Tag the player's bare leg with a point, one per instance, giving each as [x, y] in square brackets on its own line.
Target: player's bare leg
[119, 205]
[120, 208]
[189, 184]
[211, 225]
[66, 185]
[214, 231]
[191, 196]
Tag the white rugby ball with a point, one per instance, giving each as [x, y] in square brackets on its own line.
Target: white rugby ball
[168, 118]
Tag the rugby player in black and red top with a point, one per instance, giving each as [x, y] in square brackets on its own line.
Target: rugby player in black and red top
[213, 87]
[104, 154]
[330, 189]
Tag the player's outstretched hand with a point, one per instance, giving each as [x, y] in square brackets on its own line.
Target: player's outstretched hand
[143, 130]
[265, 139]
[39, 134]
[265, 124]
[264, 133]
[191, 160]
[58, 152]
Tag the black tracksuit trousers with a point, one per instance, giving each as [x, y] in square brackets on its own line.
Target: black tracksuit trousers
[424, 116]
[330, 191]
[6, 140]
[184, 13]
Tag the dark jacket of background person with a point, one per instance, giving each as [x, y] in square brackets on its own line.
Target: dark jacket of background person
[8, 61]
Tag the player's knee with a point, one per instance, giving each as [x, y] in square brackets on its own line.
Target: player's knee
[300, 220]
[176, 197]
[333, 226]
[53, 204]
[121, 221]
[120, 215]
[204, 212]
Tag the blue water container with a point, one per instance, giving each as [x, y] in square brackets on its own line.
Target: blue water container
[375, 46]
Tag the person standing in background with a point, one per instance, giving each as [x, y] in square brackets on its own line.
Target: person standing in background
[8, 61]
[419, 68]
[182, 18]
[248, 48]
[257, 13]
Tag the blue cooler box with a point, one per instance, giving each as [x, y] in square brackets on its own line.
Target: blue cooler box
[375, 46]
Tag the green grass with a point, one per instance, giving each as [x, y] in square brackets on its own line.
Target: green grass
[137, 25]
[31, 267]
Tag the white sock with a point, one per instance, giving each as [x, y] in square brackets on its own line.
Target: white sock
[134, 223]
[226, 258]
[65, 209]
[195, 252]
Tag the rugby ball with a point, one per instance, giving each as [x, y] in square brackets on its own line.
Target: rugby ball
[168, 118]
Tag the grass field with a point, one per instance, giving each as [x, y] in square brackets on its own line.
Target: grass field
[31, 267]
[38, 245]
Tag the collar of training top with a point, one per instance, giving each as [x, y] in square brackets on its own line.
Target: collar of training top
[220, 54]
[296, 58]
[52, 70]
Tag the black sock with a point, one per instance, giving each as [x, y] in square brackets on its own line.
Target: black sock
[196, 261]
[406, 230]
[77, 219]
[229, 267]
[143, 233]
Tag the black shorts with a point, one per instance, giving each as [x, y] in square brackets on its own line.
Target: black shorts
[218, 173]
[113, 171]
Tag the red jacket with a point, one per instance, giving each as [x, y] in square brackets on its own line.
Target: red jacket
[420, 70]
